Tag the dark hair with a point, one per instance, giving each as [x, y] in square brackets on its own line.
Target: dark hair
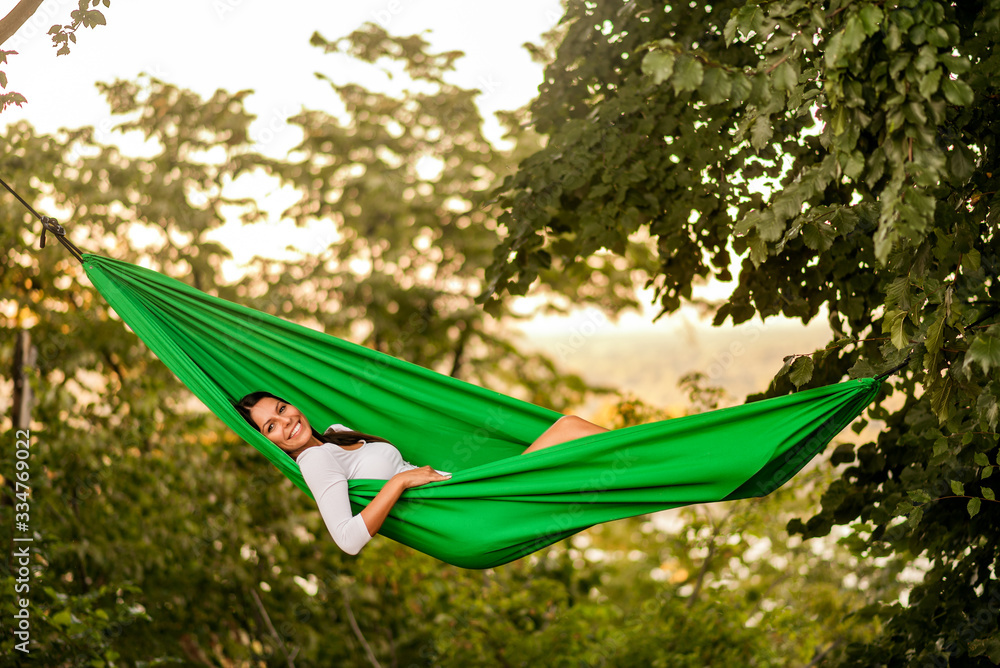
[244, 405]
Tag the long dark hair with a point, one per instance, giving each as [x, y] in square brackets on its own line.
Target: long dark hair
[244, 405]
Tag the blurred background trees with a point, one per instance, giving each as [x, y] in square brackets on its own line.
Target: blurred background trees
[160, 538]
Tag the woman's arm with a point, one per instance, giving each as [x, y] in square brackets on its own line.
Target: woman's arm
[328, 483]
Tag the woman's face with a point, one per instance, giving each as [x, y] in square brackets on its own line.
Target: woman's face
[282, 423]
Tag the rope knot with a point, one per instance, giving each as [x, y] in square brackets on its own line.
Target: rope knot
[51, 225]
[48, 224]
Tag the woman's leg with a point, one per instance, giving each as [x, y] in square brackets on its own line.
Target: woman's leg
[565, 429]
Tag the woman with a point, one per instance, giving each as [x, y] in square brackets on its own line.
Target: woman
[329, 460]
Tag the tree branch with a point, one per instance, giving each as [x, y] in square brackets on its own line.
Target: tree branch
[701, 573]
[460, 349]
[716, 531]
[819, 656]
[11, 23]
[357, 630]
[270, 627]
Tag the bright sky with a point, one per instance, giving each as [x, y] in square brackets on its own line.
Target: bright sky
[204, 45]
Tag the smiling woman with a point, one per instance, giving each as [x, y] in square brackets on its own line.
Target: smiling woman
[328, 460]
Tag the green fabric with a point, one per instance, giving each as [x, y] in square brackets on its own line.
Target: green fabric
[498, 505]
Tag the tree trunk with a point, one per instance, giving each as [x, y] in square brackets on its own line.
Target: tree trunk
[24, 356]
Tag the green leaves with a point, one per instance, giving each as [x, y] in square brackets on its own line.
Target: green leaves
[63, 35]
[971, 262]
[801, 371]
[942, 396]
[747, 19]
[7, 99]
[785, 77]
[985, 350]
[961, 163]
[956, 64]
[935, 333]
[63, 618]
[717, 85]
[988, 647]
[684, 72]
[871, 19]
[845, 42]
[988, 408]
[761, 132]
[894, 324]
[957, 92]
[94, 18]
[659, 65]
[929, 83]
[688, 74]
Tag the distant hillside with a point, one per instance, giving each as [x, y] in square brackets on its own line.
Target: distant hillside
[648, 363]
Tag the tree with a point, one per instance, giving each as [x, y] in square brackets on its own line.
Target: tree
[844, 153]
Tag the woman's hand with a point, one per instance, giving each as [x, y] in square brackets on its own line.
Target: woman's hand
[375, 512]
[420, 476]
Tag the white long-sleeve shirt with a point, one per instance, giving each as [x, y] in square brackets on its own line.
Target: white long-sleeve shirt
[327, 468]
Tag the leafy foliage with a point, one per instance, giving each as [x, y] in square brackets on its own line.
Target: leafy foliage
[844, 153]
[83, 15]
[9, 98]
[62, 36]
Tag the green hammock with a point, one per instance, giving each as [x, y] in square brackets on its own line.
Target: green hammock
[499, 505]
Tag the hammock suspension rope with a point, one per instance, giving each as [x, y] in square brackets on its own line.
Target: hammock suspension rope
[48, 224]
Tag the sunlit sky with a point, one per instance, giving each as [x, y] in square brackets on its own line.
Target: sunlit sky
[249, 44]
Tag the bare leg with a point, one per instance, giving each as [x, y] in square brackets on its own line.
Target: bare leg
[565, 429]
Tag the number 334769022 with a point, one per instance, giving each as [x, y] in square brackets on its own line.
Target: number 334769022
[22, 466]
